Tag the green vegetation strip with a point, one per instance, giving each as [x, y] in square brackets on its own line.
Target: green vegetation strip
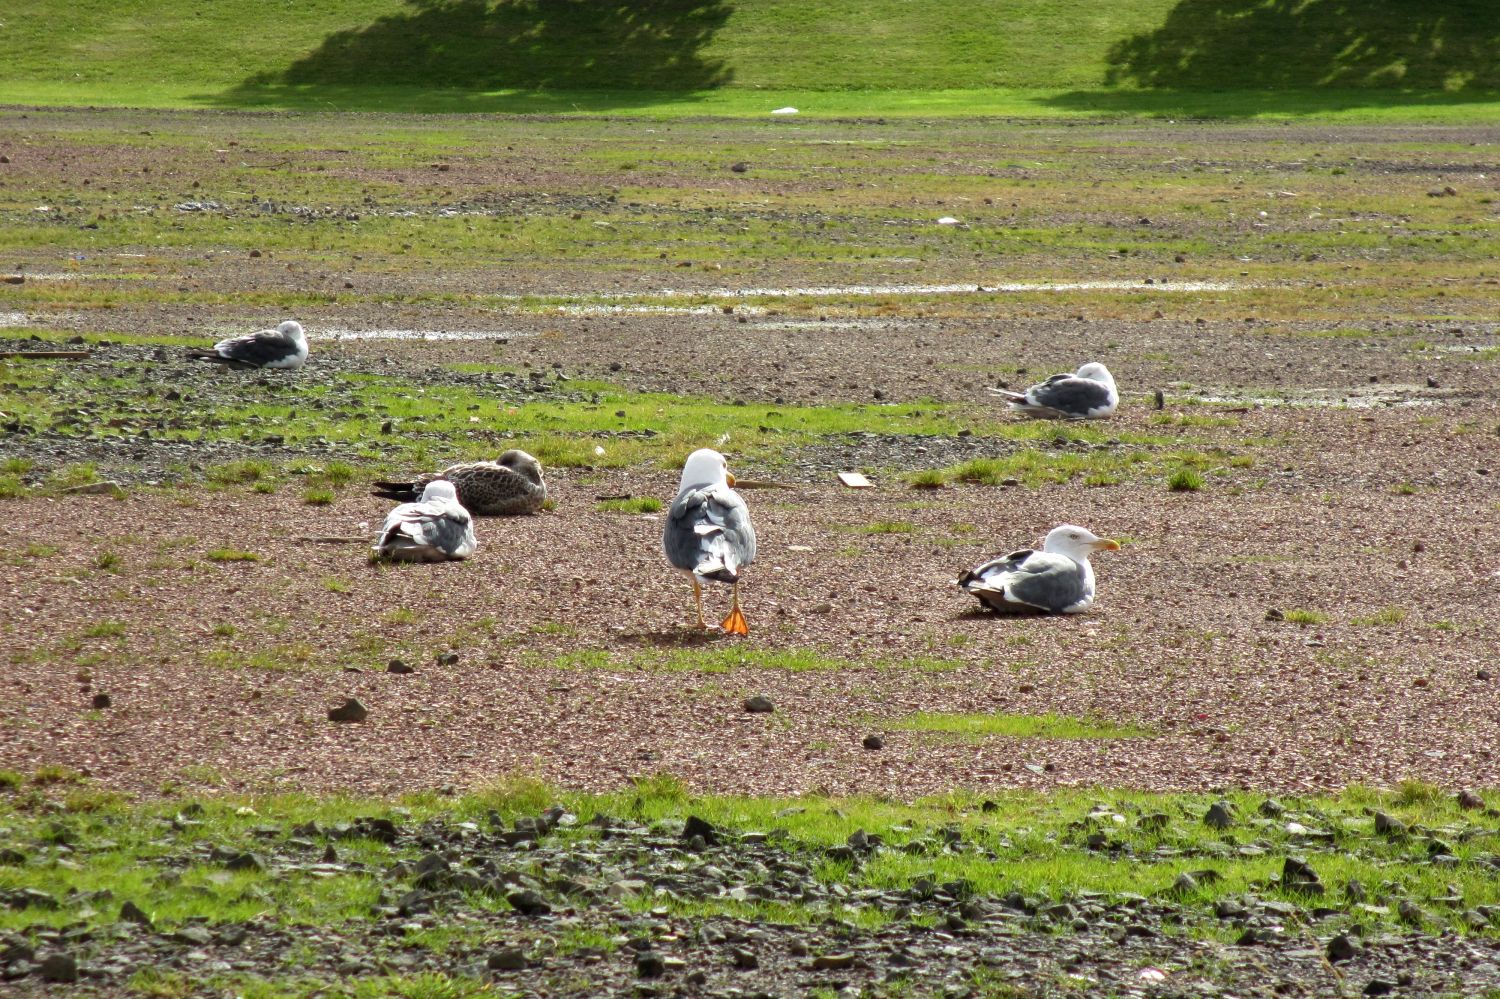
[976, 727]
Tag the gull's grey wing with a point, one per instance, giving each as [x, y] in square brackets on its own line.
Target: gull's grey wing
[428, 530]
[708, 532]
[1069, 396]
[258, 349]
[1027, 578]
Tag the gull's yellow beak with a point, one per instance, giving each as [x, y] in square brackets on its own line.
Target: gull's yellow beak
[1105, 545]
[729, 477]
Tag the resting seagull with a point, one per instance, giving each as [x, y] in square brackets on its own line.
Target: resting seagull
[435, 529]
[283, 347]
[708, 534]
[510, 486]
[1056, 580]
[1087, 394]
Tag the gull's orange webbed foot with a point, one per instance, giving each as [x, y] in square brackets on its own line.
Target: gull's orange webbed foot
[735, 623]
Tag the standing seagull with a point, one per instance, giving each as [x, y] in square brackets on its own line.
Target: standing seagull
[1088, 394]
[434, 529]
[283, 347]
[1056, 580]
[512, 485]
[708, 534]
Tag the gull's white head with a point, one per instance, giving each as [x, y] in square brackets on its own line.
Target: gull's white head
[290, 328]
[1094, 371]
[1078, 543]
[439, 489]
[705, 467]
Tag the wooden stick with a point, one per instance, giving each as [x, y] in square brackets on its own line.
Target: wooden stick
[66, 355]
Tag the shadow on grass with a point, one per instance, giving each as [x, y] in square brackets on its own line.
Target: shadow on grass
[483, 55]
[1234, 58]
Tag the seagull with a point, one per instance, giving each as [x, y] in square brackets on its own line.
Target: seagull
[708, 534]
[283, 347]
[433, 529]
[1087, 394]
[506, 487]
[1056, 580]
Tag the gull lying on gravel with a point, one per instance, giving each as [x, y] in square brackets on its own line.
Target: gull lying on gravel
[1087, 394]
[283, 347]
[510, 486]
[1056, 580]
[434, 529]
[708, 534]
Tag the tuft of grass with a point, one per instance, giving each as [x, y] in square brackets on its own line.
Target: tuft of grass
[224, 630]
[1385, 617]
[1404, 489]
[241, 472]
[888, 527]
[108, 561]
[318, 496]
[1185, 480]
[633, 504]
[231, 555]
[928, 478]
[335, 585]
[1304, 617]
[974, 727]
[104, 629]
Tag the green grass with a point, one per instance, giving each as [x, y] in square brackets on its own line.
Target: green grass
[1304, 617]
[634, 504]
[231, 555]
[888, 527]
[1384, 618]
[838, 57]
[976, 727]
[1184, 480]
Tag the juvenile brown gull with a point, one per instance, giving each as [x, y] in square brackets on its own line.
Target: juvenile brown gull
[507, 487]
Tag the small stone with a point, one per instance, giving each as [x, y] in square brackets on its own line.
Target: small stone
[739, 167]
[873, 742]
[1342, 948]
[833, 962]
[1409, 911]
[350, 711]
[58, 967]
[1271, 808]
[102, 701]
[528, 903]
[132, 913]
[194, 935]
[1219, 815]
[1388, 825]
[823, 608]
[254, 253]
[1469, 800]
[245, 862]
[507, 959]
[694, 826]
[759, 705]
[1483, 674]
[1432, 382]
[1275, 614]
[1379, 987]
[649, 964]
[397, 666]
[447, 659]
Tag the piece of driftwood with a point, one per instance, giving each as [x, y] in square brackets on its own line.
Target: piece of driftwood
[855, 480]
[37, 355]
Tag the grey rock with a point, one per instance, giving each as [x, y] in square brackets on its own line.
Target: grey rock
[873, 742]
[102, 701]
[1342, 948]
[529, 903]
[743, 958]
[1388, 825]
[132, 913]
[398, 667]
[1220, 815]
[350, 711]
[759, 704]
[59, 966]
[507, 959]
[649, 964]
[833, 962]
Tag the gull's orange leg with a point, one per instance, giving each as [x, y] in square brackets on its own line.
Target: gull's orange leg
[735, 623]
[702, 625]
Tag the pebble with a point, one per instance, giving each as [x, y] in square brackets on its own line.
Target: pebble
[350, 711]
[58, 966]
[759, 704]
[873, 742]
[399, 667]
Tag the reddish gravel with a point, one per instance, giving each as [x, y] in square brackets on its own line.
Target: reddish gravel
[1178, 642]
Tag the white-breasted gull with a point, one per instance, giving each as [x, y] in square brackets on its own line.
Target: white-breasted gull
[433, 529]
[707, 533]
[508, 486]
[1056, 580]
[1087, 394]
[284, 347]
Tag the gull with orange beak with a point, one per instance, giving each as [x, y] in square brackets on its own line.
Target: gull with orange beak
[708, 534]
[1056, 580]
